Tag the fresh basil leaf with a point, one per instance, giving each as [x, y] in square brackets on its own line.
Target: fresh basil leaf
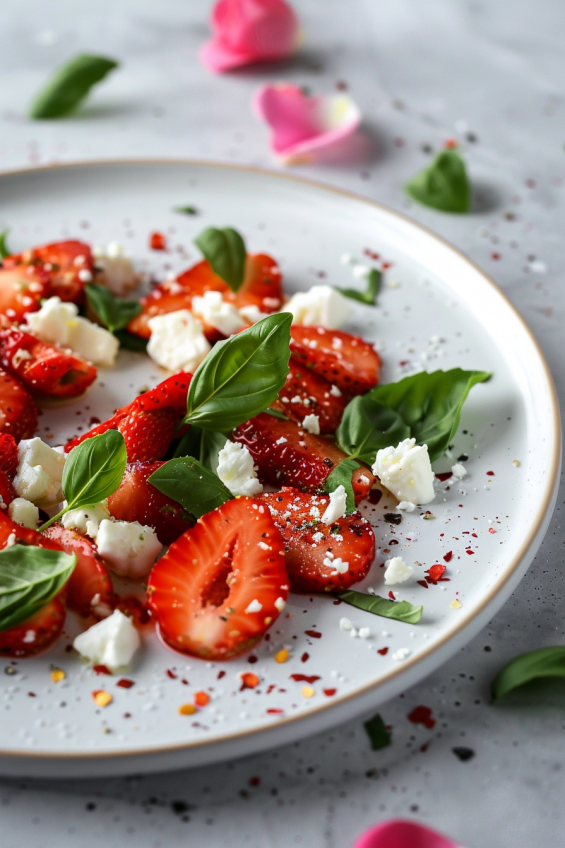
[188, 482]
[29, 578]
[4, 249]
[399, 610]
[186, 210]
[114, 312]
[443, 185]
[241, 376]
[69, 85]
[543, 663]
[369, 296]
[225, 251]
[367, 426]
[130, 341]
[341, 476]
[203, 445]
[430, 404]
[378, 735]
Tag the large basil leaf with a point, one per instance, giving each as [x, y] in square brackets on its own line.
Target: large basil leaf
[430, 404]
[69, 85]
[114, 312]
[341, 476]
[4, 249]
[29, 578]
[399, 610]
[443, 185]
[203, 445]
[225, 251]
[535, 665]
[369, 296]
[367, 426]
[241, 376]
[192, 485]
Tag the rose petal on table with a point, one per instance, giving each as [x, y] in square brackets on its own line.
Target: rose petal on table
[398, 833]
[303, 126]
[248, 31]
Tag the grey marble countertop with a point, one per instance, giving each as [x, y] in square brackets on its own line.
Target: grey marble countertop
[490, 74]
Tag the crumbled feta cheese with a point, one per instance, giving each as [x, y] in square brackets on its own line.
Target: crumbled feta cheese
[317, 537]
[345, 624]
[254, 606]
[361, 272]
[111, 642]
[401, 654]
[406, 471]
[320, 306]
[116, 270]
[177, 341]
[337, 564]
[236, 470]
[364, 632]
[407, 506]
[217, 312]
[346, 259]
[128, 548]
[39, 474]
[396, 571]
[311, 423]
[281, 441]
[252, 313]
[336, 507]
[11, 540]
[60, 323]
[87, 519]
[335, 391]
[24, 512]
[458, 470]
[20, 356]
[280, 604]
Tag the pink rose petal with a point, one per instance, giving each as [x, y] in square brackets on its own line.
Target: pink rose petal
[248, 31]
[303, 126]
[398, 833]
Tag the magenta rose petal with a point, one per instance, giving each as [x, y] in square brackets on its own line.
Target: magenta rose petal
[398, 833]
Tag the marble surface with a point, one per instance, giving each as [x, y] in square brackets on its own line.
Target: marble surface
[490, 75]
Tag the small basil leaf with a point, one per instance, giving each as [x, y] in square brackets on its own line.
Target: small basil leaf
[378, 735]
[276, 413]
[543, 663]
[114, 312]
[444, 185]
[69, 85]
[341, 476]
[241, 376]
[225, 251]
[203, 445]
[399, 610]
[29, 578]
[369, 296]
[4, 249]
[186, 210]
[131, 342]
[430, 404]
[367, 426]
[192, 485]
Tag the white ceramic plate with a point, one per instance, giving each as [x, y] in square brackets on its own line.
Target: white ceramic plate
[436, 309]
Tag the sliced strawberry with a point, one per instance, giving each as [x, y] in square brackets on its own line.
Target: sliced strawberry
[137, 500]
[221, 585]
[68, 266]
[306, 393]
[346, 361]
[262, 286]
[8, 454]
[316, 553]
[18, 410]
[21, 289]
[286, 455]
[89, 590]
[149, 422]
[37, 633]
[44, 370]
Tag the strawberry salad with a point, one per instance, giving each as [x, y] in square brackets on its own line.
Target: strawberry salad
[233, 482]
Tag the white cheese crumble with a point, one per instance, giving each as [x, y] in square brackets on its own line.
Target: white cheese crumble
[177, 341]
[335, 391]
[60, 323]
[217, 312]
[345, 624]
[254, 606]
[236, 470]
[280, 604]
[20, 356]
[86, 519]
[401, 654]
[127, 547]
[116, 270]
[396, 571]
[320, 306]
[336, 507]
[337, 564]
[361, 272]
[406, 471]
[281, 441]
[407, 506]
[364, 632]
[311, 423]
[39, 474]
[111, 642]
[24, 512]
[458, 470]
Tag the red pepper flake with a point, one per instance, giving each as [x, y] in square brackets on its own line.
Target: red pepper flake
[374, 496]
[447, 556]
[254, 781]
[422, 583]
[314, 634]
[305, 677]
[274, 711]
[490, 473]
[402, 363]
[201, 699]
[370, 253]
[135, 608]
[495, 256]
[450, 143]
[252, 659]
[157, 241]
[470, 552]
[101, 669]
[271, 687]
[171, 674]
[31, 695]
[249, 681]
[422, 715]
[386, 265]
[384, 651]
[392, 595]
[436, 572]
[305, 656]
[125, 683]
[329, 692]
[491, 530]
[220, 675]
[443, 476]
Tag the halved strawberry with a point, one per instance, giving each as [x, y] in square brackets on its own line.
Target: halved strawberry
[37, 633]
[149, 422]
[21, 289]
[346, 361]
[18, 410]
[43, 369]
[8, 454]
[221, 585]
[137, 500]
[307, 393]
[68, 266]
[321, 557]
[287, 455]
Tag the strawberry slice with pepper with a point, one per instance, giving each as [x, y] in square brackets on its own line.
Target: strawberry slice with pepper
[137, 500]
[346, 361]
[18, 410]
[287, 455]
[8, 455]
[67, 266]
[21, 289]
[321, 557]
[37, 634]
[149, 422]
[221, 586]
[307, 393]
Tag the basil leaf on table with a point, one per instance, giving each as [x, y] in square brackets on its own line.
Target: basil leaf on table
[378, 735]
[4, 249]
[430, 404]
[535, 665]
[241, 376]
[69, 85]
[225, 251]
[398, 610]
[203, 445]
[367, 426]
[93, 471]
[188, 482]
[29, 578]
[444, 185]
[114, 312]
[369, 296]
[341, 476]
[186, 210]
